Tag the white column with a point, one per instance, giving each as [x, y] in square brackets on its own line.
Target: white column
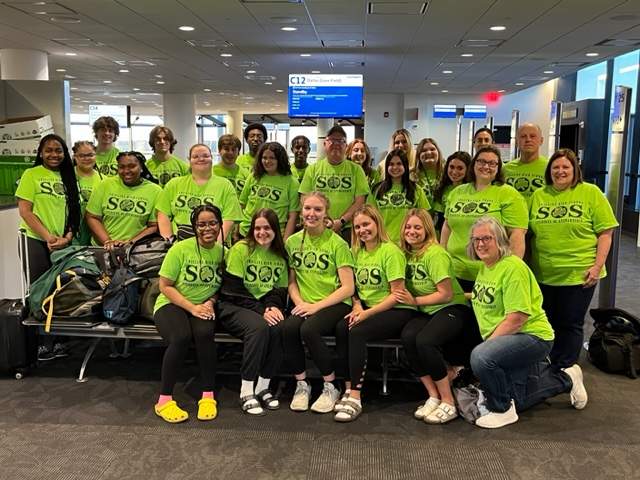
[234, 123]
[324, 125]
[20, 64]
[179, 111]
[383, 115]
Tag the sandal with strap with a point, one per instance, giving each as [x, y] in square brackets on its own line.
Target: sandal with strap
[267, 399]
[171, 412]
[350, 411]
[251, 406]
[443, 414]
[207, 409]
[339, 406]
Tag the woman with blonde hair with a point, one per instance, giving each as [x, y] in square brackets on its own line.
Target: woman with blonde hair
[400, 140]
[428, 168]
[358, 152]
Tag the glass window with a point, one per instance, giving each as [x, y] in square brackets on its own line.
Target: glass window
[591, 81]
[625, 73]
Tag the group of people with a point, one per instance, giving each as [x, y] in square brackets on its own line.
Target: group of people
[471, 262]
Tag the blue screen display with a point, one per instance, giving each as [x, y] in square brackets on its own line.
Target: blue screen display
[325, 96]
[475, 111]
[444, 111]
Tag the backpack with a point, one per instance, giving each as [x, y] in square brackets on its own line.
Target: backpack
[614, 346]
[120, 298]
[145, 256]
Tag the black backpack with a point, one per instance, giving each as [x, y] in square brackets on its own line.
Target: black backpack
[121, 297]
[614, 346]
[145, 256]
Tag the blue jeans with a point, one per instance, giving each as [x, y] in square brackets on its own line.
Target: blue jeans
[516, 367]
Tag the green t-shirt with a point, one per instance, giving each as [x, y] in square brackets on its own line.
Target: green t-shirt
[441, 205]
[425, 272]
[167, 169]
[298, 172]
[236, 174]
[340, 183]
[565, 229]
[246, 161]
[106, 162]
[465, 205]
[261, 270]
[85, 187]
[195, 271]
[375, 270]
[181, 195]
[316, 261]
[526, 178]
[506, 287]
[277, 192]
[45, 190]
[428, 182]
[125, 211]
[374, 178]
[394, 205]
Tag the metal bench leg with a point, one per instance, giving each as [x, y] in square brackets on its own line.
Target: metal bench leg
[385, 373]
[87, 356]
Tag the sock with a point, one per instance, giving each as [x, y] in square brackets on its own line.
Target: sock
[246, 388]
[357, 400]
[207, 394]
[262, 384]
[336, 384]
[162, 399]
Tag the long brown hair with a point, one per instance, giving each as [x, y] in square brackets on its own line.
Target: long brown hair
[277, 245]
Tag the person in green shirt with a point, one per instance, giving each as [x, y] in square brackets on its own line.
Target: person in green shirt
[320, 287]
[343, 182]
[428, 170]
[358, 152]
[300, 147]
[163, 164]
[572, 224]
[485, 194]
[271, 186]
[511, 363]
[106, 131]
[84, 157]
[526, 173]
[122, 209]
[483, 137]
[443, 331]
[455, 173]
[255, 135]
[376, 314]
[228, 149]
[48, 203]
[185, 310]
[396, 194]
[182, 194]
[400, 139]
[252, 304]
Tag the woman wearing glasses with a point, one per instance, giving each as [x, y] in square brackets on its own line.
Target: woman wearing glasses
[122, 208]
[182, 194]
[84, 158]
[190, 276]
[485, 194]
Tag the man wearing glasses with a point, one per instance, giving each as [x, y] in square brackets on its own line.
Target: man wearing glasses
[343, 182]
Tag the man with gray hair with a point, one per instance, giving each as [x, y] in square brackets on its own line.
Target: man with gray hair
[526, 174]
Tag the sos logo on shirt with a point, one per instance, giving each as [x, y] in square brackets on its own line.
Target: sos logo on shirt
[483, 294]
[192, 201]
[266, 192]
[127, 205]
[310, 260]
[334, 182]
[416, 272]
[108, 169]
[470, 207]
[52, 188]
[369, 276]
[164, 177]
[394, 200]
[262, 274]
[201, 274]
[524, 184]
[567, 211]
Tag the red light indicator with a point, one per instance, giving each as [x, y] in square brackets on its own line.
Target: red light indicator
[492, 97]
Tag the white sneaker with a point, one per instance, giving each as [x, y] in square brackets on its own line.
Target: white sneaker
[327, 399]
[498, 420]
[300, 402]
[578, 394]
[426, 408]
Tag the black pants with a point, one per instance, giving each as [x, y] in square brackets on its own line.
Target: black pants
[297, 329]
[566, 308]
[430, 341]
[381, 326]
[262, 351]
[178, 327]
[467, 285]
[39, 258]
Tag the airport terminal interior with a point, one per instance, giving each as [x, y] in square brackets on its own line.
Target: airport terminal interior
[440, 69]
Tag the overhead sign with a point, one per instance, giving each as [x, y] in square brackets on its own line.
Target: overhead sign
[325, 96]
[121, 113]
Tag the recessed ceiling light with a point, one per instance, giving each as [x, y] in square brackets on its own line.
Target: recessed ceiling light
[251, 71]
[186, 28]
[501, 91]
[123, 70]
[592, 54]
[288, 29]
[71, 54]
[160, 82]
[279, 91]
[61, 69]
[548, 71]
[268, 83]
[444, 91]
[498, 28]
[136, 89]
[276, 105]
[467, 55]
[434, 83]
[519, 84]
[106, 81]
[207, 89]
[74, 88]
[158, 76]
[70, 77]
[226, 55]
[207, 103]
[305, 54]
[315, 71]
[447, 71]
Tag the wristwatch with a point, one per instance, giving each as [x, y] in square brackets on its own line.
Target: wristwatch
[343, 221]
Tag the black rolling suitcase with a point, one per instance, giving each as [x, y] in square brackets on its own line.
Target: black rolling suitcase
[18, 344]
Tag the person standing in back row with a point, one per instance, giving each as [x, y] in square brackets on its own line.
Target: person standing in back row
[300, 147]
[163, 165]
[526, 173]
[106, 130]
[255, 135]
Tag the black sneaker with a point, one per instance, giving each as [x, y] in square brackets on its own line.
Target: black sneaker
[45, 354]
[60, 350]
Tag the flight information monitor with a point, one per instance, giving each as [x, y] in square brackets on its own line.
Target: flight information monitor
[325, 96]
[444, 111]
[475, 111]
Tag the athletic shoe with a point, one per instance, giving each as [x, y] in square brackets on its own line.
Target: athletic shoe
[300, 402]
[426, 408]
[45, 354]
[498, 420]
[327, 400]
[578, 394]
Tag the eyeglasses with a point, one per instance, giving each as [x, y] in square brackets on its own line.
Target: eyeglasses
[205, 156]
[205, 225]
[487, 163]
[336, 141]
[478, 240]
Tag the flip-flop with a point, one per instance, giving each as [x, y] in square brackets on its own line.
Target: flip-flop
[171, 412]
[207, 409]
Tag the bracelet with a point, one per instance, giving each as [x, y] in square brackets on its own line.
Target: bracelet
[343, 221]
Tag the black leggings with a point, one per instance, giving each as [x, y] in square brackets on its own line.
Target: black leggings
[262, 351]
[39, 258]
[178, 327]
[467, 285]
[450, 333]
[295, 329]
[381, 326]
